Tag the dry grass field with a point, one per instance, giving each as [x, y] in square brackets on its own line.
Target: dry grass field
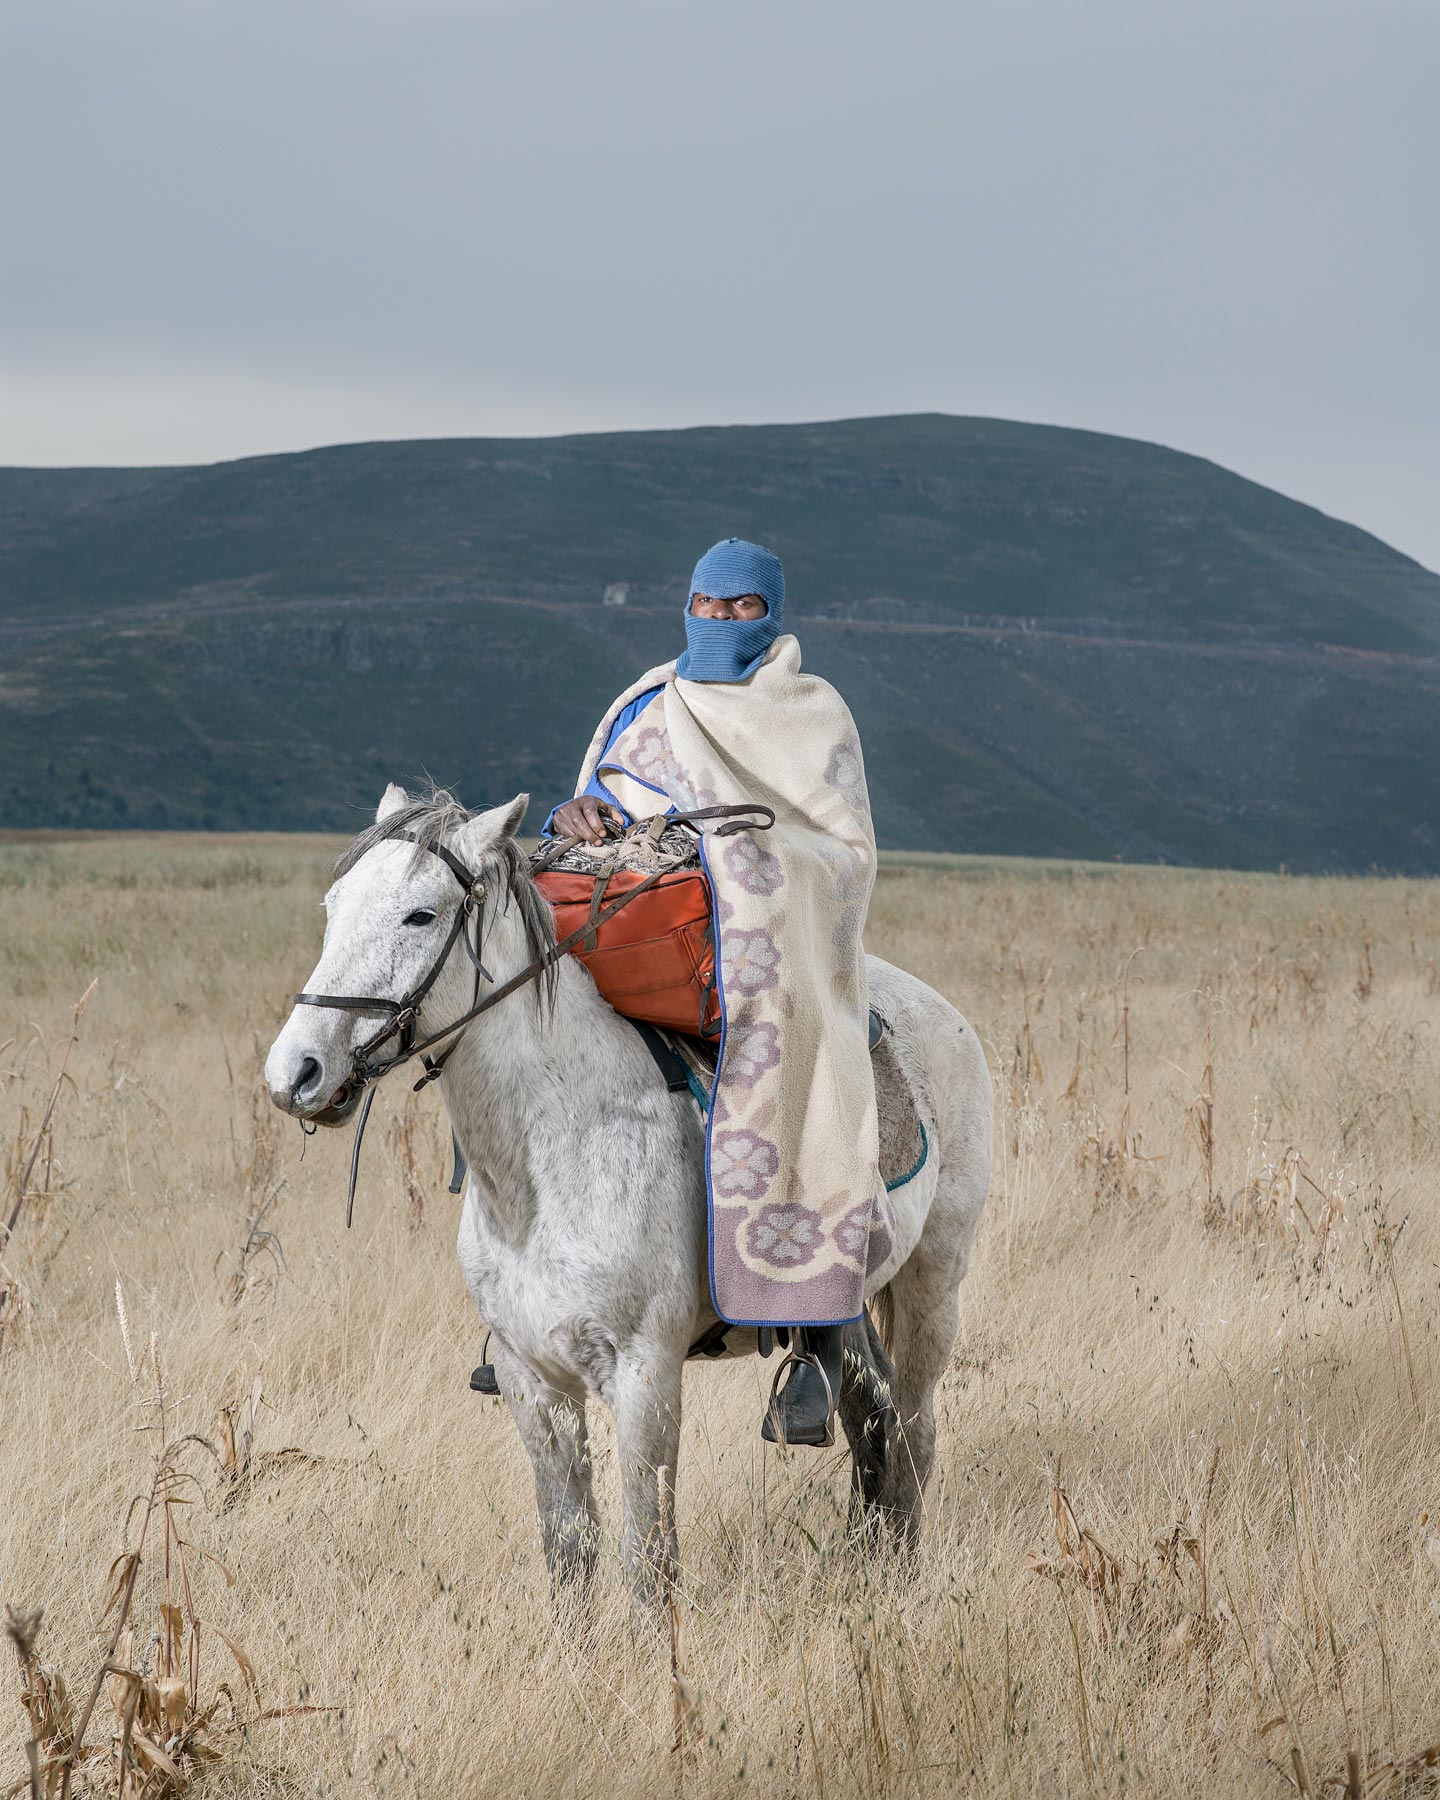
[1184, 1537]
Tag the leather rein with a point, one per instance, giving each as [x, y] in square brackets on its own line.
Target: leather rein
[402, 1016]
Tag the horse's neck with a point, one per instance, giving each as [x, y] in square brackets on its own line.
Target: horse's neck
[525, 1077]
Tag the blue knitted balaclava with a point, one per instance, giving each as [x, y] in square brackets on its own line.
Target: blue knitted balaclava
[731, 649]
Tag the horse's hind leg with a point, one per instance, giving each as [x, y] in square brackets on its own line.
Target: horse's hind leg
[866, 1412]
[925, 1301]
[552, 1428]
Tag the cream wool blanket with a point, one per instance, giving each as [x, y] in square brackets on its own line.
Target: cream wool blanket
[798, 1209]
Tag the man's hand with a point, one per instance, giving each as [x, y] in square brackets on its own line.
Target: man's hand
[585, 817]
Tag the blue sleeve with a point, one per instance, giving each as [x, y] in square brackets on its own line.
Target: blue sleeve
[626, 717]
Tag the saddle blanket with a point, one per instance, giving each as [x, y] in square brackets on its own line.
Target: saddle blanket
[904, 1145]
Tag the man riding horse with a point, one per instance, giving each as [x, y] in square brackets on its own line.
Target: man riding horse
[582, 1238]
[797, 1207]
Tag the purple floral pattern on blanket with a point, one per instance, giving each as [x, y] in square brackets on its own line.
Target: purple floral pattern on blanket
[651, 760]
[742, 1162]
[752, 1054]
[852, 1234]
[785, 1234]
[752, 866]
[846, 772]
[882, 1236]
[750, 961]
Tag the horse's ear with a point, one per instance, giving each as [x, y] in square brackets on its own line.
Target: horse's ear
[487, 829]
[391, 801]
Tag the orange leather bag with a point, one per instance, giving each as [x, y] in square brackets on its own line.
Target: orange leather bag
[655, 958]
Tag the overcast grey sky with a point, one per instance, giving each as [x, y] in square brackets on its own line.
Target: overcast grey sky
[235, 226]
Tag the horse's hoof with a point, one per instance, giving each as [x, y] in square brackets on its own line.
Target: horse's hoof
[483, 1379]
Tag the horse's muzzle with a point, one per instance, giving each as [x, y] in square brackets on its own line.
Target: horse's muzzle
[339, 1109]
[302, 1087]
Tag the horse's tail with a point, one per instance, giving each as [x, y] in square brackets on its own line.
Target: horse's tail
[882, 1316]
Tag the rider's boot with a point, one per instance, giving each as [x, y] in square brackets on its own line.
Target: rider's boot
[807, 1389]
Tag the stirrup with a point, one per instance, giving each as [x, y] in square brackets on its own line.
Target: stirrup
[482, 1380]
[783, 1374]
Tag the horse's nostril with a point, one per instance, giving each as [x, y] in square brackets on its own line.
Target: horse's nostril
[308, 1076]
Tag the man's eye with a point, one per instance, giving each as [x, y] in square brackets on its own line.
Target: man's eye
[420, 917]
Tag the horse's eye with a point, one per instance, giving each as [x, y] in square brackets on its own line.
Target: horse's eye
[420, 918]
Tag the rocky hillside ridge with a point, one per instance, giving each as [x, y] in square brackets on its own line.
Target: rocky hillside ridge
[1054, 642]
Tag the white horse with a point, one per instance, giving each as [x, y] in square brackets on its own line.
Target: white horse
[583, 1229]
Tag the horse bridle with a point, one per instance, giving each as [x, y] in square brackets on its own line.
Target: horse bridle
[402, 1015]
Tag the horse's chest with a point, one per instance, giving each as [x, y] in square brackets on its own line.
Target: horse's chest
[560, 1302]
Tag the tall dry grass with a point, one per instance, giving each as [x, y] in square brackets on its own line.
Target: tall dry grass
[1184, 1535]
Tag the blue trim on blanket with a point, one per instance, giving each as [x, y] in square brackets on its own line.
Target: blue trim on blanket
[709, 1110]
[639, 781]
[910, 1174]
[624, 718]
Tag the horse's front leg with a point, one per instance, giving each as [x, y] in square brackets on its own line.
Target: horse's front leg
[552, 1428]
[645, 1402]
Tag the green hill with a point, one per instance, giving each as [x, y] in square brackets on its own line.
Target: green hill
[1055, 642]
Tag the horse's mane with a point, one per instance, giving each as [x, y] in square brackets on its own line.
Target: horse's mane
[432, 819]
